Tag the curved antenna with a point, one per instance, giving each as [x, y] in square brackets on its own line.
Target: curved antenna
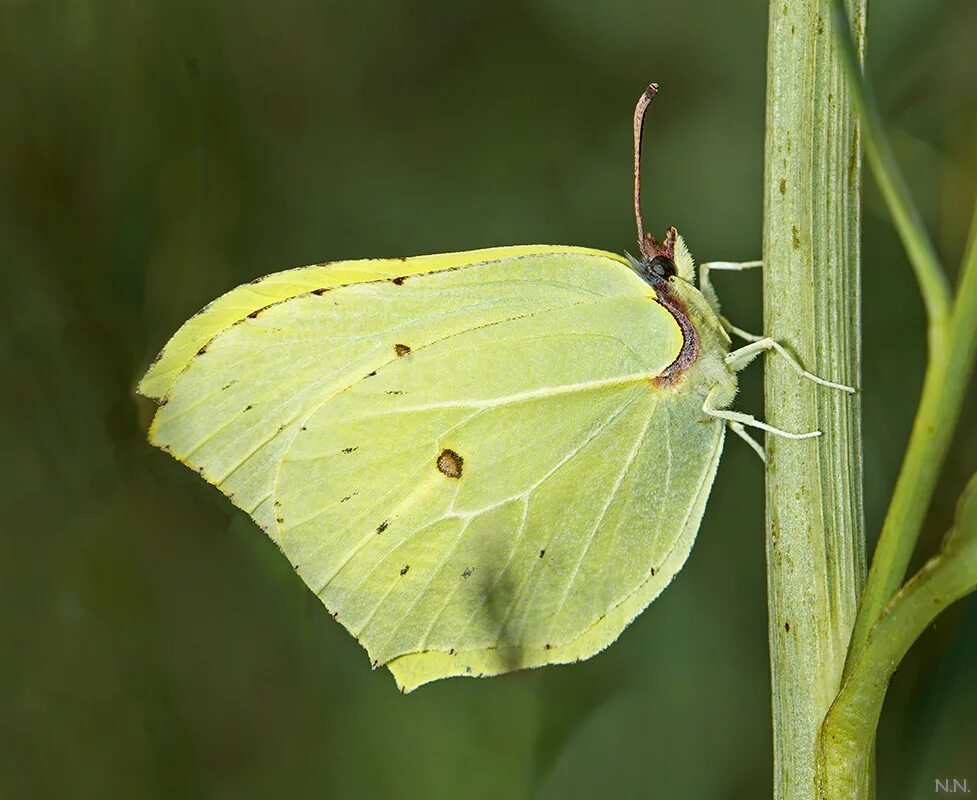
[639, 121]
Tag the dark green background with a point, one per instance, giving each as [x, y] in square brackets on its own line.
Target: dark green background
[153, 154]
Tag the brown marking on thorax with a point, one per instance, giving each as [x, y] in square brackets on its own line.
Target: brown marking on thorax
[657, 268]
[689, 351]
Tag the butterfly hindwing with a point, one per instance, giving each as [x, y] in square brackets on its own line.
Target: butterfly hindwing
[414, 669]
[505, 498]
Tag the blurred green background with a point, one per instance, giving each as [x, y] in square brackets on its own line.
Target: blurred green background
[153, 642]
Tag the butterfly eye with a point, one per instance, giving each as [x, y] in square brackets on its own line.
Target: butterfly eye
[661, 267]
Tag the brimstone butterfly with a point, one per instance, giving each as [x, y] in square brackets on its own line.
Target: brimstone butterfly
[479, 461]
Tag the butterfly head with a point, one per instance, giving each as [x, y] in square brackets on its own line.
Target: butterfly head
[663, 260]
[660, 268]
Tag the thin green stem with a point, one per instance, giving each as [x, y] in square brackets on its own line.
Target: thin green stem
[848, 733]
[951, 351]
[965, 307]
[909, 224]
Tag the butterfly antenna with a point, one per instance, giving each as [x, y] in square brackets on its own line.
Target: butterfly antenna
[639, 124]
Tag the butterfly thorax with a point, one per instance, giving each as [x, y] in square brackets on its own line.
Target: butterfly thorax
[709, 369]
[668, 268]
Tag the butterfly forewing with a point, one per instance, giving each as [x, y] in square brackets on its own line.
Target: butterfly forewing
[234, 408]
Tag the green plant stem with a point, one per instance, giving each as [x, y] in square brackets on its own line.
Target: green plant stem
[891, 619]
[848, 734]
[815, 545]
[950, 362]
[948, 374]
[909, 224]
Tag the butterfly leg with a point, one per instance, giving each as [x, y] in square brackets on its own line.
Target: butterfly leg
[707, 289]
[738, 359]
[709, 292]
[746, 419]
[740, 431]
[744, 335]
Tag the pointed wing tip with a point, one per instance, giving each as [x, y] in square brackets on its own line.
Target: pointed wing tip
[150, 386]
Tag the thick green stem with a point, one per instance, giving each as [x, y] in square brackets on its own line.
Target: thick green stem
[849, 730]
[848, 733]
[815, 538]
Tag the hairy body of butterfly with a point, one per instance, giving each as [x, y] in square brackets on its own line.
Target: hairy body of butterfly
[480, 461]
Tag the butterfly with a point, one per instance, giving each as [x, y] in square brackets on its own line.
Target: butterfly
[480, 461]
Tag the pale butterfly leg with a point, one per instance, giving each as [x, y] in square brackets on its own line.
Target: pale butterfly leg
[707, 289]
[747, 419]
[738, 359]
[744, 335]
[740, 431]
[759, 343]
